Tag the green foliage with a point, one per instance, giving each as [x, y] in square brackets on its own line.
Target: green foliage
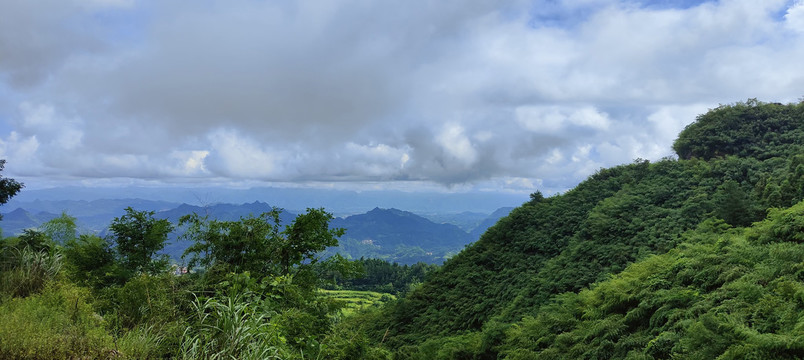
[35, 240]
[734, 205]
[146, 342]
[256, 245]
[308, 235]
[266, 280]
[8, 187]
[91, 261]
[236, 246]
[350, 339]
[61, 229]
[25, 271]
[722, 294]
[138, 237]
[58, 323]
[230, 328]
[145, 299]
[781, 225]
[381, 276]
[354, 300]
[747, 129]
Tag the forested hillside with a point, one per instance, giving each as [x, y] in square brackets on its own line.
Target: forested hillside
[735, 162]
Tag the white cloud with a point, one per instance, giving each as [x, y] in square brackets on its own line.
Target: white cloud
[447, 92]
[453, 140]
[553, 119]
[235, 155]
[21, 149]
[668, 121]
[794, 17]
[190, 163]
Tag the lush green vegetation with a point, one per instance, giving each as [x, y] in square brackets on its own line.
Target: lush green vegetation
[354, 300]
[723, 293]
[698, 257]
[252, 293]
[381, 276]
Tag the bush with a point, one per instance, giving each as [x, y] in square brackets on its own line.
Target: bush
[56, 324]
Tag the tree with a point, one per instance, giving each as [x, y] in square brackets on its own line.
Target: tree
[256, 244]
[232, 246]
[92, 262]
[8, 187]
[34, 239]
[308, 235]
[138, 237]
[61, 229]
[734, 205]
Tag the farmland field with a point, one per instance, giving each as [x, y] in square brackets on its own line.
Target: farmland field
[355, 300]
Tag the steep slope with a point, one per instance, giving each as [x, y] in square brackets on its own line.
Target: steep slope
[567, 242]
[724, 293]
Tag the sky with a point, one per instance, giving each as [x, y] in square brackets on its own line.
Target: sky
[450, 95]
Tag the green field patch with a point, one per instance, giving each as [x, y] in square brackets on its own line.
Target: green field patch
[354, 300]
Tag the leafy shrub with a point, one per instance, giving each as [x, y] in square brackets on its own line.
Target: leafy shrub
[145, 299]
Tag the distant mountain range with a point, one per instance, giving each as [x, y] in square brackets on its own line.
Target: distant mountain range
[339, 202]
[391, 234]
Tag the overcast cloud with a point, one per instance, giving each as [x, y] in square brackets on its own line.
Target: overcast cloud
[474, 94]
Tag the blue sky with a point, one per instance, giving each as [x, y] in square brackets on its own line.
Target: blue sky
[482, 95]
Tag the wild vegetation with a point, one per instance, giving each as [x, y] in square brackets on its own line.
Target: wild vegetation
[698, 257]
[252, 291]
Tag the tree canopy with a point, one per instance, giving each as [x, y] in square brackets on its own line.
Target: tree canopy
[8, 187]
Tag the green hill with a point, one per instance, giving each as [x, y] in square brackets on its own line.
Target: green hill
[735, 162]
[722, 294]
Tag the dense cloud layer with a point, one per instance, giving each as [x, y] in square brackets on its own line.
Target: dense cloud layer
[517, 96]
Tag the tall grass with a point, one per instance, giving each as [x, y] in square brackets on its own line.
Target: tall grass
[230, 328]
[144, 342]
[26, 271]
